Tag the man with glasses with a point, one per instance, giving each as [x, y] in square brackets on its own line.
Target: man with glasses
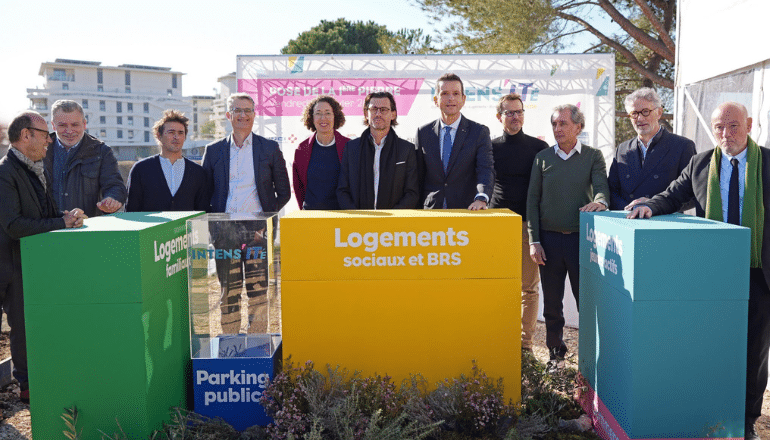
[246, 174]
[28, 208]
[378, 169]
[514, 152]
[454, 154]
[647, 164]
[83, 169]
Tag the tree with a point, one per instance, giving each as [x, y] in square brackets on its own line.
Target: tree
[642, 39]
[342, 36]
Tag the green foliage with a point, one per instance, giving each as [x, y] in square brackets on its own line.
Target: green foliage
[407, 41]
[209, 128]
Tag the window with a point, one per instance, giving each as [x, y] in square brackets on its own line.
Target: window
[103, 106]
[130, 120]
[147, 107]
[103, 133]
[146, 122]
[100, 88]
[130, 107]
[173, 81]
[195, 128]
[128, 77]
[130, 134]
[85, 103]
[100, 76]
[169, 92]
[120, 120]
[65, 86]
[102, 119]
[128, 89]
[195, 118]
[119, 107]
[120, 134]
[59, 75]
[146, 136]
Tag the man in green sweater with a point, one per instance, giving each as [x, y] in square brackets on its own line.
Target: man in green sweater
[567, 178]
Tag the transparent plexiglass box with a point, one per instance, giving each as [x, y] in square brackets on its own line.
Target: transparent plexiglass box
[232, 280]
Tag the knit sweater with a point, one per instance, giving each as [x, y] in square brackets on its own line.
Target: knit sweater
[559, 188]
[514, 155]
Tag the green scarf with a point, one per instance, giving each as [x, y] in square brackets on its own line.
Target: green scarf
[753, 212]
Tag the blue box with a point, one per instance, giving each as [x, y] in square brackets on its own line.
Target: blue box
[230, 373]
[663, 324]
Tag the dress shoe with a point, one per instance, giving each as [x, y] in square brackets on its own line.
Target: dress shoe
[24, 397]
[750, 433]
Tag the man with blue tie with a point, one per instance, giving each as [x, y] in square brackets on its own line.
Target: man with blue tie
[454, 154]
[647, 164]
[731, 183]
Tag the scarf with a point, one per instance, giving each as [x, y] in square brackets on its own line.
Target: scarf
[753, 212]
[36, 167]
[366, 167]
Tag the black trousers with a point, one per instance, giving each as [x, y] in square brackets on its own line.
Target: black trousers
[562, 258]
[758, 344]
[12, 300]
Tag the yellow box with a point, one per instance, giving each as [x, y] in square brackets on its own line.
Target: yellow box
[462, 304]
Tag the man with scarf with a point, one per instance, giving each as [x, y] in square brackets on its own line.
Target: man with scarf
[378, 169]
[28, 208]
[732, 184]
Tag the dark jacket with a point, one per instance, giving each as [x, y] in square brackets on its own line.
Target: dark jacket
[21, 215]
[302, 161]
[470, 171]
[148, 190]
[92, 175]
[514, 156]
[397, 191]
[271, 177]
[693, 182]
[667, 156]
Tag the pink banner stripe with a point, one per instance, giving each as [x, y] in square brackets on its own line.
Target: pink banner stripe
[605, 424]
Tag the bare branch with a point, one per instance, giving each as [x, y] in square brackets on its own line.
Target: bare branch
[653, 19]
[639, 35]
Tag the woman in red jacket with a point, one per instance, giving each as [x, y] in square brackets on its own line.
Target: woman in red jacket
[316, 165]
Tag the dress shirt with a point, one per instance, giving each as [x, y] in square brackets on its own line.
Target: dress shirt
[376, 165]
[173, 173]
[643, 147]
[726, 170]
[59, 178]
[242, 195]
[564, 156]
[452, 133]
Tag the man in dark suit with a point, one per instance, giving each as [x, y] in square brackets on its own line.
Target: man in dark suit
[454, 154]
[168, 181]
[27, 208]
[378, 169]
[246, 174]
[713, 179]
[648, 163]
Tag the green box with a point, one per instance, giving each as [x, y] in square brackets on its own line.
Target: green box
[106, 311]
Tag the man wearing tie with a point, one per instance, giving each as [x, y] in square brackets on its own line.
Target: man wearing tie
[732, 184]
[454, 154]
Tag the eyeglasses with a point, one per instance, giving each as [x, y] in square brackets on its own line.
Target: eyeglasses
[509, 113]
[242, 111]
[646, 112]
[47, 134]
[375, 110]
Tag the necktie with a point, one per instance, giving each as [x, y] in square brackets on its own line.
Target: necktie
[447, 147]
[733, 199]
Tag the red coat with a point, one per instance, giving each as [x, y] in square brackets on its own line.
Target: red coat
[302, 160]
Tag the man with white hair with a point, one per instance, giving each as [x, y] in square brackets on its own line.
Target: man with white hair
[731, 184]
[647, 164]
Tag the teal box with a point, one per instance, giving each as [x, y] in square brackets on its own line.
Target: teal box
[663, 320]
[106, 311]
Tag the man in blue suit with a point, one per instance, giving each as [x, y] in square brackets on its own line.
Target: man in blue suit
[647, 164]
[246, 174]
[454, 154]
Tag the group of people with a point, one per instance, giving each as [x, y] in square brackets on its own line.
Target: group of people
[54, 181]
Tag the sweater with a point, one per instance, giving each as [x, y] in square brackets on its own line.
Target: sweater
[514, 155]
[559, 188]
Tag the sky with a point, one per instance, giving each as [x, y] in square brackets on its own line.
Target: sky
[199, 38]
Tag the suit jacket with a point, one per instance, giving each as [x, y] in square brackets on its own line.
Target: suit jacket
[21, 215]
[693, 182]
[92, 175]
[398, 191]
[271, 176]
[470, 170]
[666, 158]
[148, 190]
[302, 161]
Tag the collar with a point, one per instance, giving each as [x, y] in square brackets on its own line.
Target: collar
[740, 156]
[653, 140]
[454, 124]
[246, 142]
[576, 149]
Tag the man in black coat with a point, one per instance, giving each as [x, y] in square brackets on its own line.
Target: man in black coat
[168, 181]
[27, 208]
[737, 155]
[378, 169]
[647, 164]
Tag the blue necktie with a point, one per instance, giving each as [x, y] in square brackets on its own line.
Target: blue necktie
[447, 148]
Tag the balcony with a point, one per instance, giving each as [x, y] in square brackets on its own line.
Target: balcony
[60, 77]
